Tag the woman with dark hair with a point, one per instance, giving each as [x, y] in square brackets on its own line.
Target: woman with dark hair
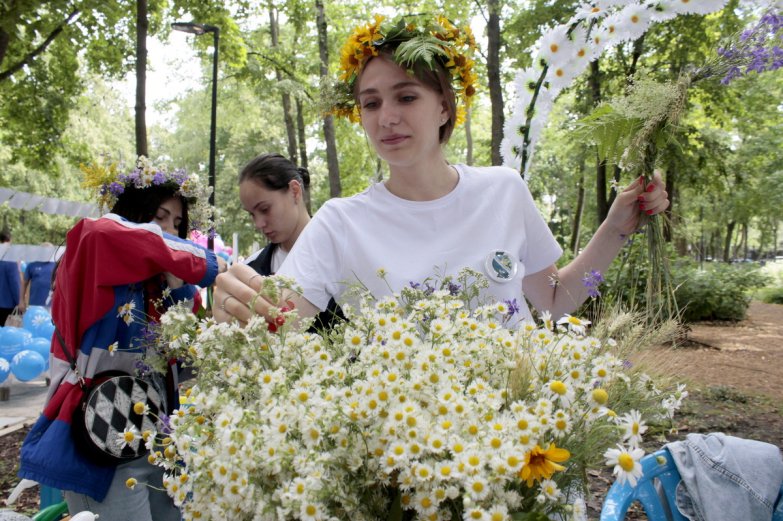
[274, 191]
[163, 206]
[111, 287]
[406, 81]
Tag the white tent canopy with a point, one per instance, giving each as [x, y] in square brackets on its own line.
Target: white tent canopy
[30, 252]
[25, 201]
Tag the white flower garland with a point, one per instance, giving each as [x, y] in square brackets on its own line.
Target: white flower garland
[566, 50]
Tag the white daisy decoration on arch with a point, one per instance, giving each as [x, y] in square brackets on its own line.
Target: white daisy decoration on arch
[564, 51]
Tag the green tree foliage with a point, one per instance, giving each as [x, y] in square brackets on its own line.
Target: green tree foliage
[724, 163]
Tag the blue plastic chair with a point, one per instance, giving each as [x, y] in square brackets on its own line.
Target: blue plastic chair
[654, 490]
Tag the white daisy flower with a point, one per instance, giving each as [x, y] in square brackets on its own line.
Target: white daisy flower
[634, 20]
[550, 489]
[575, 324]
[696, 6]
[555, 46]
[626, 463]
[128, 436]
[633, 427]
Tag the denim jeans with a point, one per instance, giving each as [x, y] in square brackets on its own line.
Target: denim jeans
[724, 477]
[143, 503]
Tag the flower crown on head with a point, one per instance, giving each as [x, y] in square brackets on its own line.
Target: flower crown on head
[415, 42]
[109, 183]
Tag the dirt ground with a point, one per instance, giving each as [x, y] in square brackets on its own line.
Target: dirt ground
[734, 373]
[746, 356]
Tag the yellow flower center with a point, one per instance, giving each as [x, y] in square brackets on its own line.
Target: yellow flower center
[626, 462]
[558, 387]
[600, 396]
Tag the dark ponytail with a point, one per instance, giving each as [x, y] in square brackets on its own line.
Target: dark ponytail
[275, 172]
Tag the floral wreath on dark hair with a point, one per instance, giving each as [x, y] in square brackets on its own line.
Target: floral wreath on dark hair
[416, 43]
[109, 183]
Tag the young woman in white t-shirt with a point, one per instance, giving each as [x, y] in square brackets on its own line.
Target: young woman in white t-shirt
[430, 216]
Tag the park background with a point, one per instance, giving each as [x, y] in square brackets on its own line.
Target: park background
[70, 92]
[68, 69]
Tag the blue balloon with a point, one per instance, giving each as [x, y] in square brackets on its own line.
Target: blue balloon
[42, 347]
[38, 321]
[27, 365]
[13, 340]
[5, 369]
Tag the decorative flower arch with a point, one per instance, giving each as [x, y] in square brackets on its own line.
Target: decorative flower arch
[566, 50]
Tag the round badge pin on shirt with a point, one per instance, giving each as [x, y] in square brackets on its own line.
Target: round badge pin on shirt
[501, 266]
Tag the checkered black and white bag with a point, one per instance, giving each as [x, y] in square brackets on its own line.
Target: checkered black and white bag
[106, 414]
[105, 427]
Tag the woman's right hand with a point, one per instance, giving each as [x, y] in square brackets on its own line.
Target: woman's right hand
[234, 291]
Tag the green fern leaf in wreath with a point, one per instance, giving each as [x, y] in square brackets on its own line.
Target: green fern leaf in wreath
[422, 49]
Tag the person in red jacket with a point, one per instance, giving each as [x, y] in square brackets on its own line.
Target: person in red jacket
[112, 282]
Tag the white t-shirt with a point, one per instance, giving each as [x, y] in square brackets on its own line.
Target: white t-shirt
[278, 256]
[491, 209]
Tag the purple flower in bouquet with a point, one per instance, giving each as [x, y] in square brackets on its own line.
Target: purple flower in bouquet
[164, 423]
[757, 49]
[513, 306]
[591, 281]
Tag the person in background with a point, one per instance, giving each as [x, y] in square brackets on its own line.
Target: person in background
[430, 215]
[111, 288]
[274, 192]
[37, 283]
[10, 286]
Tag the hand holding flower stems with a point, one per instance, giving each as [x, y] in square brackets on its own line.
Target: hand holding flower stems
[630, 210]
[240, 295]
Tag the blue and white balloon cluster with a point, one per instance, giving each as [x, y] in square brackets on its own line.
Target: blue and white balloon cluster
[24, 351]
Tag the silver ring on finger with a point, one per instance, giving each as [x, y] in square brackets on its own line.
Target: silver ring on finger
[225, 299]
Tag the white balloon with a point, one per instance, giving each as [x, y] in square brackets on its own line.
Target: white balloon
[84, 516]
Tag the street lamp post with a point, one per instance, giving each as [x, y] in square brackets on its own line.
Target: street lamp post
[199, 29]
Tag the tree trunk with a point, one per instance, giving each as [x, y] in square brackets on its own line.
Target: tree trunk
[468, 139]
[5, 39]
[333, 165]
[300, 127]
[494, 42]
[289, 120]
[580, 204]
[727, 242]
[601, 202]
[141, 77]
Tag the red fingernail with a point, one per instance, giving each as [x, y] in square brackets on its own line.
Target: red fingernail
[649, 212]
[640, 198]
[641, 206]
[650, 187]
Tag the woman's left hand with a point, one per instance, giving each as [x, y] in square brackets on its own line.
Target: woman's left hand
[635, 200]
[173, 282]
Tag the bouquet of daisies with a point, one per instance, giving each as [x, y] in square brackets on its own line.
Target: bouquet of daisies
[418, 407]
